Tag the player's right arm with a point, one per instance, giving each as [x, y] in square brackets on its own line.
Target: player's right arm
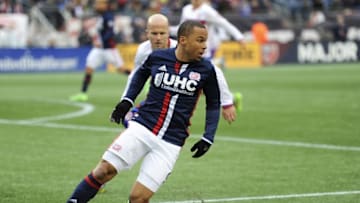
[138, 79]
[140, 57]
[132, 90]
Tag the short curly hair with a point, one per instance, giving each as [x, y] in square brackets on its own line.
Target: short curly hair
[187, 27]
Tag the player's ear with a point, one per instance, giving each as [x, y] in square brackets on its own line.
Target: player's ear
[182, 40]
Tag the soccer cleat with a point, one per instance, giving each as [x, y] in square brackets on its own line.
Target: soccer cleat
[238, 101]
[102, 189]
[81, 97]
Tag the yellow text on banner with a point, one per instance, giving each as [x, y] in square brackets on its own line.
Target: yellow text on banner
[236, 55]
[127, 52]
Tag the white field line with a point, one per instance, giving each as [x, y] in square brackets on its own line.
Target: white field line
[218, 137]
[288, 143]
[85, 109]
[88, 108]
[270, 197]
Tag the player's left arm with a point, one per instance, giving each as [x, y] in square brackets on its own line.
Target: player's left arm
[212, 95]
[226, 97]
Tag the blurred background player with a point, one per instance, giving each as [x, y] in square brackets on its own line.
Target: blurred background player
[157, 31]
[202, 11]
[104, 47]
[157, 134]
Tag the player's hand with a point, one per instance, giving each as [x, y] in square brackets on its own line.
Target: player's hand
[124, 70]
[200, 148]
[120, 111]
[229, 113]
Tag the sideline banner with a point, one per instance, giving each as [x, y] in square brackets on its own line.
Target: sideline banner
[234, 54]
[43, 60]
[312, 52]
[328, 52]
[127, 52]
[240, 56]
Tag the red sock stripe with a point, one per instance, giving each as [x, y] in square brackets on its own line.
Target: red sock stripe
[163, 112]
[97, 181]
[91, 183]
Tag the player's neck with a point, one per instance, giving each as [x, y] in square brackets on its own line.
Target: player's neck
[181, 56]
[196, 6]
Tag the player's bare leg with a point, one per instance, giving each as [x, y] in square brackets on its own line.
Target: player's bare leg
[140, 194]
[86, 82]
[104, 172]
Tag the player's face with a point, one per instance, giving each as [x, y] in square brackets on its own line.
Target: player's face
[196, 43]
[158, 36]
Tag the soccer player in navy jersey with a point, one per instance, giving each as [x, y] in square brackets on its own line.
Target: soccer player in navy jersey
[104, 47]
[159, 130]
[157, 31]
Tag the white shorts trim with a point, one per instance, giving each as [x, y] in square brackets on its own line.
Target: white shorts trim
[115, 161]
[148, 182]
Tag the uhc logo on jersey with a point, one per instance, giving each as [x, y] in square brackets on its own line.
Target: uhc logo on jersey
[176, 83]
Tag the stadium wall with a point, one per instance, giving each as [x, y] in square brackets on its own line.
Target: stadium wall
[43, 59]
[235, 55]
[311, 52]
[252, 55]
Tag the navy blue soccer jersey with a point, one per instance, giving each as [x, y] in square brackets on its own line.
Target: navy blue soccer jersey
[174, 91]
[106, 30]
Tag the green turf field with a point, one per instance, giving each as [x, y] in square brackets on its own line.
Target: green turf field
[297, 139]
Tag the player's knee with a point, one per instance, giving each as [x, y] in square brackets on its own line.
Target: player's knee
[140, 194]
[104, 171]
